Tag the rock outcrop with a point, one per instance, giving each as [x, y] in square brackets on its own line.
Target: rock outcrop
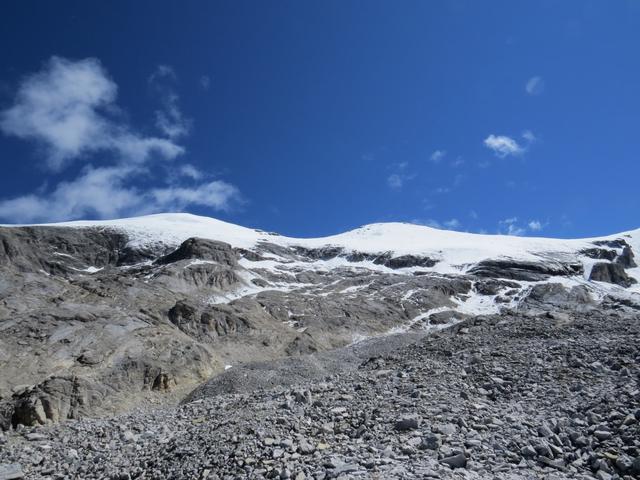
[611, 272]
[525, 271]
[203, 250]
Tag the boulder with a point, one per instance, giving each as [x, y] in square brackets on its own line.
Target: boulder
[11, 471]
[455, 461]
[408, 422]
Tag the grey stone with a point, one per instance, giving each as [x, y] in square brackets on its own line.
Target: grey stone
[408, 422]
[602, 435]
[11, 471]
[456, 461]
[528, 451]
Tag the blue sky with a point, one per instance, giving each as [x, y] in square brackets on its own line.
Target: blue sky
[311, 118]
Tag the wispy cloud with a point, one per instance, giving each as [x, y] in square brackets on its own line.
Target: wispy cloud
[529, 136]
[437, 156]
[535, 225]
[69, 110]
[106, 192]
[512, 226]
[452, 224]
[534, 86]
[169, 118]
[188, 170]
[458, 162]
[397, 180]
[503, 146]
[162, 71]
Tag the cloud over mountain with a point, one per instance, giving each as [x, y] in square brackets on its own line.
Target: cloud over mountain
[69, 111]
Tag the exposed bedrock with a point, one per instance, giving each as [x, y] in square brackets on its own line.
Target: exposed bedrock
[626, 258]
[600, 253]
[387, 259]
[611, 273]
[558, 296]
[493, 286]
[56, 399]
[201, 249]
[59, 250]
[208, 322]
[525, 271]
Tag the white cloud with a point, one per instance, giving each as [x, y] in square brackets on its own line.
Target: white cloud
[529, 136]
[452, 224]
[188, 170]
[437, 156]
[503, 146]
[106, 192]
[217, 194]
[162, 71]
[67, 109]
[395, 181]
[169, 119]
[535, 225]
[99, 192]
[534, 86]
[511, 226]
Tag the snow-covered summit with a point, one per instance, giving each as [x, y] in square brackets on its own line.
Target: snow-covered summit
[398, 238]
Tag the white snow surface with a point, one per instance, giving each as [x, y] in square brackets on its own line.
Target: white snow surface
[455, 251]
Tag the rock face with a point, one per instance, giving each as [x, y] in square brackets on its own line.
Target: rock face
[54, 400]
[626, 258]
[527, 271]
[201, 249]
[611, 273]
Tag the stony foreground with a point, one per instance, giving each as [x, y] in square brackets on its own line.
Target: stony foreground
[515, 396]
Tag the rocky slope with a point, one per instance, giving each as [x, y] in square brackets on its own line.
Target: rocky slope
[99, 318]
[511, 396]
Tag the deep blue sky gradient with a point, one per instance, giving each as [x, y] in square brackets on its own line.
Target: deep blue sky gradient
[312, 106]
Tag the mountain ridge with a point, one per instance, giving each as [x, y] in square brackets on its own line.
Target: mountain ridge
[394, 237]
